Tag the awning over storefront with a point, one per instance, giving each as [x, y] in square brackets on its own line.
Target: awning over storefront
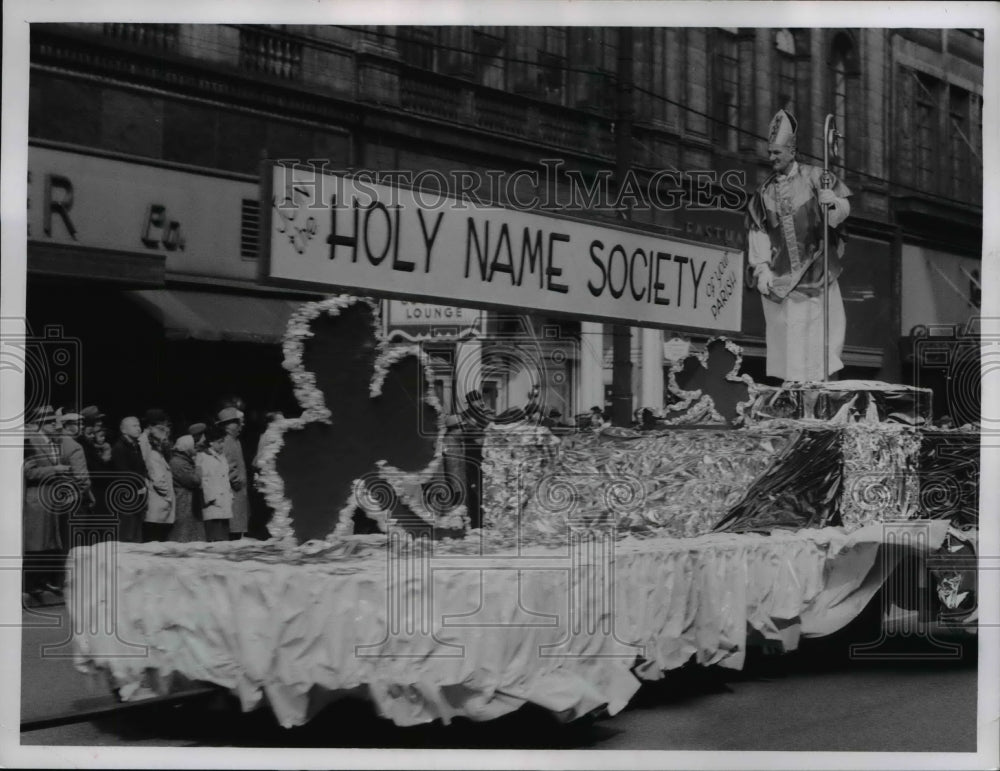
[84, 263]
[216, 316]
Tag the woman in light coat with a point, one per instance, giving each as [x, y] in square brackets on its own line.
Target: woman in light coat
[187, 492]
[216, 489]
[160, 501]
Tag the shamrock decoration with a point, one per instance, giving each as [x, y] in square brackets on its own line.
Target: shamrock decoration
[708, 387]
[369, 436]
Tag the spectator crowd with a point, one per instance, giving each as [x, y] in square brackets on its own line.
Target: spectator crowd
[141, 480]
[145, 482]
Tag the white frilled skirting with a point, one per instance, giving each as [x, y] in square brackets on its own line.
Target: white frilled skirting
[456, 634]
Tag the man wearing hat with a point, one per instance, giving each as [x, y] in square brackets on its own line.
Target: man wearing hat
[97, 452]
[230, 420]
[474, 420]
[72, 454]
[154, 418]
[45, 478]
[785, 251]
[129, 505]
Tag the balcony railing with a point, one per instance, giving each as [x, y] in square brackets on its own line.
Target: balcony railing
[429, 97]
[270, 54]
[163, 37]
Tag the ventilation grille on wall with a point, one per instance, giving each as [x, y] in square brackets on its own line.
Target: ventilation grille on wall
[249, 228]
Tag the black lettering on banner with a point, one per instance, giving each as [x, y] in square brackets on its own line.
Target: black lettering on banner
[397, 264]
[597, 291]
[534, 254]
[357, 217]
[680, 260]
[657, 284]
[482, 252]
[377, 206]
[725, 292]
[552, 271]
[497, 265]
[617, 293]
[649, 281]
[697, 278]
[429, 239]
[638, 296]
[335, 240]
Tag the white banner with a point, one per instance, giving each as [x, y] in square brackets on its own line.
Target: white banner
[333, 231]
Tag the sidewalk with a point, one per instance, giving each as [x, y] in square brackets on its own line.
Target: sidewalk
[50, 685]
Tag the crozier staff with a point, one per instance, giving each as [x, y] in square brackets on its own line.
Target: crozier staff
[785, 250]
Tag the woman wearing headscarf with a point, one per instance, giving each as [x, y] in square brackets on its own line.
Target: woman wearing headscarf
[187, 492]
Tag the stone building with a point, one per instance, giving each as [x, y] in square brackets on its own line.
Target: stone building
[146, 144]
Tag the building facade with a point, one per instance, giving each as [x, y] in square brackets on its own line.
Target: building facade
[146, 143]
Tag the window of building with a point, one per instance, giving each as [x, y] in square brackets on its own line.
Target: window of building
[552, 64]
[784, 42]
[416, 46]
[595, 53]
[927, 131]
[960, 155]
[842, 83]
[660, 74]
[726, 84]
[489, 44]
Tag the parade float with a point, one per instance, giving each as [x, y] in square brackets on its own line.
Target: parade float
[744, 515]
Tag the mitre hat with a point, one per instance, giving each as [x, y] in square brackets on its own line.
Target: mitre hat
[781, 132]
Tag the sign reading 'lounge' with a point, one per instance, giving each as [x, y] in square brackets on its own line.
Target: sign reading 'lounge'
[329, 230]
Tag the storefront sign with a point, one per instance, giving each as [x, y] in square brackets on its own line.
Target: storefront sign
[422, 321]
[193, 220]
[331, 231]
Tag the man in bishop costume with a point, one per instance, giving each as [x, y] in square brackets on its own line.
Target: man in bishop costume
[785, 251]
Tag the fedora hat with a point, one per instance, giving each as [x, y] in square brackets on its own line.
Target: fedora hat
[92, 414]
[228, 415]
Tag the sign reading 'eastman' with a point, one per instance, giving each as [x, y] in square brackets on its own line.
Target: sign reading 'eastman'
[328, 230]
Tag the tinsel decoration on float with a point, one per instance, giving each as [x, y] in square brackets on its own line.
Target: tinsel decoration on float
[367, 447]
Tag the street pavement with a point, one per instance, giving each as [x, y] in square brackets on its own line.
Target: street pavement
[810, 700]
